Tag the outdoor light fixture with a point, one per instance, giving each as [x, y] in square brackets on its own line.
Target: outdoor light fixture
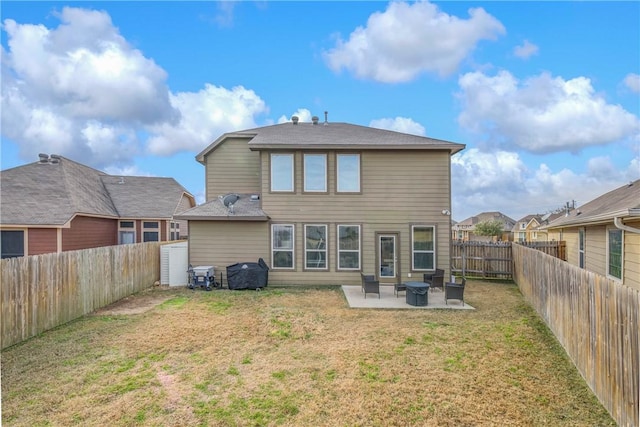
[446, 212]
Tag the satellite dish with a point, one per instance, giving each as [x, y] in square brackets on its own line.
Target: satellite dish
[230, 199]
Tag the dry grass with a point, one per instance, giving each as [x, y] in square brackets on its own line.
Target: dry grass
[299, 357]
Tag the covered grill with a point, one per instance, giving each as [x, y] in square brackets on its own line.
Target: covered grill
[248, 275]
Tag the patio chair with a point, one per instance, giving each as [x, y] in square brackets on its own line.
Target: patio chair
[370, 285]
[454, 291]
[399, 287]
[435, 279]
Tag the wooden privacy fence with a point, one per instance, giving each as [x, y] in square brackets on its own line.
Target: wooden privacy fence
[596, 320]
[41, 292]
[494, 259]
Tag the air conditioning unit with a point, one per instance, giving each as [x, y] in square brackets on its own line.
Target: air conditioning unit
[174, 263]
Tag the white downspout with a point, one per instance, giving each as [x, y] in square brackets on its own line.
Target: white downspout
[618, 223]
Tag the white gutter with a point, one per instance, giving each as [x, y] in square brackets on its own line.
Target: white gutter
[618, 223]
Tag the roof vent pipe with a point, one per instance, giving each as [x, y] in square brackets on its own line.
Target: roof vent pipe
[326, 120]
[44, 158]
[294, 119]
[314, 119]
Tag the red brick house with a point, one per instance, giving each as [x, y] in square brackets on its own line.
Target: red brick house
[56, 205]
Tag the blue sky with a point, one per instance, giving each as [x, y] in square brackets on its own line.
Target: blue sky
[545, 95]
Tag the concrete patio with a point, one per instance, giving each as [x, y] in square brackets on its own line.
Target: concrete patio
[355, 298]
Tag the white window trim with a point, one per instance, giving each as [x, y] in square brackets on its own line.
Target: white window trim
[325, 250]
[293, 168]
[338, 190]
[621, 254]
[414, 251]
[293, 247]
[338, 267]
[304, 162]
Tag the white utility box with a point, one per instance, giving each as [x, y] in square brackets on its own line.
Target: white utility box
[174, 263]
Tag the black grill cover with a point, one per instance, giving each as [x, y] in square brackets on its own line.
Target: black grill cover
[248, 275]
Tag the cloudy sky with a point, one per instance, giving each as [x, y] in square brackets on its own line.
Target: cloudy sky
[545, 95]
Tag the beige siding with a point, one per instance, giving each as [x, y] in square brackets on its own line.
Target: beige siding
[632, 256]
[572, 239]
[222, 243]
[595, 251]
[185, 203]
[397, 190]
[232, 168]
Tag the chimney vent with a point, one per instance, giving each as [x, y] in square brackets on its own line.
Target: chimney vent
[294, 119]
[314, 119]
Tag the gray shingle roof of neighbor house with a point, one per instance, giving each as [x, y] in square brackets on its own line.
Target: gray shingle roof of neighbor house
[487, 216]
[329, 135]
[623, 202]
[246, 207]
[52, 192]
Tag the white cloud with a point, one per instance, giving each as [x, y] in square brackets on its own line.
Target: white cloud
[500, 181]
[81, 90]
[632, 81]
[303, 115]
[399, 124]
[204, 116]
[407, 40]
[526, 50]
[541, 114]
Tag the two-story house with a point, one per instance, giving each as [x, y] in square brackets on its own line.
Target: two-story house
[603, 235]
[323, 202]
[57, 204]
[526, 228]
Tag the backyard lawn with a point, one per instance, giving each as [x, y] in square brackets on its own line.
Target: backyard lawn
[297, 357]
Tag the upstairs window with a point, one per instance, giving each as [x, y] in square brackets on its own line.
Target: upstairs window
[348, 173]
[315, 173]
[423, 247]
[282, 172]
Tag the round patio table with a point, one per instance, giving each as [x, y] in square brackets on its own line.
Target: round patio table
[417, 293]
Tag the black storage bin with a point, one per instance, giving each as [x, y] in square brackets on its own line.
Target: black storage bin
[248, 275]
[417, 294]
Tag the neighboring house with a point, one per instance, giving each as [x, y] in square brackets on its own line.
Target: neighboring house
[56, 205]
[464, 230]
[526, 229]
[323, 202]
[603, 235]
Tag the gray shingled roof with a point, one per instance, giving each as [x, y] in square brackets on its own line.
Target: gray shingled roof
[52, 193]
[621, 202]
[243, 209]
[332, 136]
[144, 196]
